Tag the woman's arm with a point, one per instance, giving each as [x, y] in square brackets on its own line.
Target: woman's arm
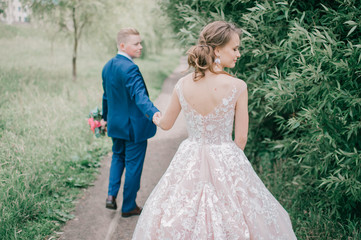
[167, 120]
[241, 120]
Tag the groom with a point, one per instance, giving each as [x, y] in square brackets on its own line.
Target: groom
[128, 113]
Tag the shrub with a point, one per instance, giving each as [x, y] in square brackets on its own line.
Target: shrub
[301, 61]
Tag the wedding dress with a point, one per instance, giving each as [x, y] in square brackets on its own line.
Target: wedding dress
[210, 190]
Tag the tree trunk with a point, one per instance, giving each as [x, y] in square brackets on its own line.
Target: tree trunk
[75, 49]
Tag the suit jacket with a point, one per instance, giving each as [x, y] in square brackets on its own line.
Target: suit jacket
[126, 105]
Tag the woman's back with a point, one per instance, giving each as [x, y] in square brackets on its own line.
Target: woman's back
[206, 94]
[209, 107]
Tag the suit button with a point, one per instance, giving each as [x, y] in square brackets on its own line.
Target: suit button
[146, 115]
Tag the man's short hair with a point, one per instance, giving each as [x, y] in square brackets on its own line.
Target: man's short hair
[124, 33]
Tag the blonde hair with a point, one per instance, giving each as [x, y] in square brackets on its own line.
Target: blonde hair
[123, 34]
[201, 56]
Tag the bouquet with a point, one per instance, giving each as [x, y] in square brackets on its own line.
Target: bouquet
[94, 121]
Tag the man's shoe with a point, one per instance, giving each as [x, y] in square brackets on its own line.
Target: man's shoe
[136, 211]
[111, 203]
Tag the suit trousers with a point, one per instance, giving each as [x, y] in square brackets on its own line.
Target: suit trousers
[129, 156]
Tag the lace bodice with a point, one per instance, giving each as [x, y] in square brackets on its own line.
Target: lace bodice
[215, 127]
[210, 190]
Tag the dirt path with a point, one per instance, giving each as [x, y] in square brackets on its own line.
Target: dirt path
[92, 220]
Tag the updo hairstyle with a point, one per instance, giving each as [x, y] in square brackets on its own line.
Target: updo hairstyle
[202, 56]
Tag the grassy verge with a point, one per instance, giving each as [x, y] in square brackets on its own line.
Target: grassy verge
[47, 152]
[309, 223]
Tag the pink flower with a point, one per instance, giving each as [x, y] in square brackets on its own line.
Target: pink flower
[92, 124]
[97, 124]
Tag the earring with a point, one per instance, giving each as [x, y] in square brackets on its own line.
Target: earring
[217, 61]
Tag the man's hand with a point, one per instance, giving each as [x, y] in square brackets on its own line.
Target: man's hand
[156, 118]
[103, 123]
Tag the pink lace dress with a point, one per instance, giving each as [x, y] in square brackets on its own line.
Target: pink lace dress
[210, 190]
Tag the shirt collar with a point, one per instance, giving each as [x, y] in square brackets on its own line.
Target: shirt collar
[125, 55]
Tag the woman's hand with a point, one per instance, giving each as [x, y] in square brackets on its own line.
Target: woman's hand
[156, 118]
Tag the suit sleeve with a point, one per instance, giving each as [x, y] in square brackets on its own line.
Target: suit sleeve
[105, 100]
[137, 91]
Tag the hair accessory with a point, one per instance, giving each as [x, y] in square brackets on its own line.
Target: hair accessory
[217, 60]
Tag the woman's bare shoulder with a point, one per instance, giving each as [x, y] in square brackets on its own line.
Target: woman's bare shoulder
[237, 82]
[241, 84]
[186, 78]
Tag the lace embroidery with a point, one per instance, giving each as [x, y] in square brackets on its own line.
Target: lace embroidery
[214, 127]
[210, 190]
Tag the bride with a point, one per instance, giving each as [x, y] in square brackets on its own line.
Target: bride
[210, 190]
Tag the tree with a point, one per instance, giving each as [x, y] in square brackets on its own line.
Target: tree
[71, 17]
[3, 6]
[301, 62]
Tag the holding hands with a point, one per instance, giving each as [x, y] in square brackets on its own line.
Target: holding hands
[156, 118]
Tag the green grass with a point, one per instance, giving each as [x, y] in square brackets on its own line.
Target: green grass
[47, 152]
[309, 223]
[154, 70]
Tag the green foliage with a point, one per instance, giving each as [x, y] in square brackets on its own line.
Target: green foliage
[47, 152]
[67, 14]
[71, 17]
[3, 6]
[301, 61]
[147, 18]
[156, 68]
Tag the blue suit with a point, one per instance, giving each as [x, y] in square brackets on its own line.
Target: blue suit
[128, 112]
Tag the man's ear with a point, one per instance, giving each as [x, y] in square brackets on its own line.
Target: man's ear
[122, 47]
